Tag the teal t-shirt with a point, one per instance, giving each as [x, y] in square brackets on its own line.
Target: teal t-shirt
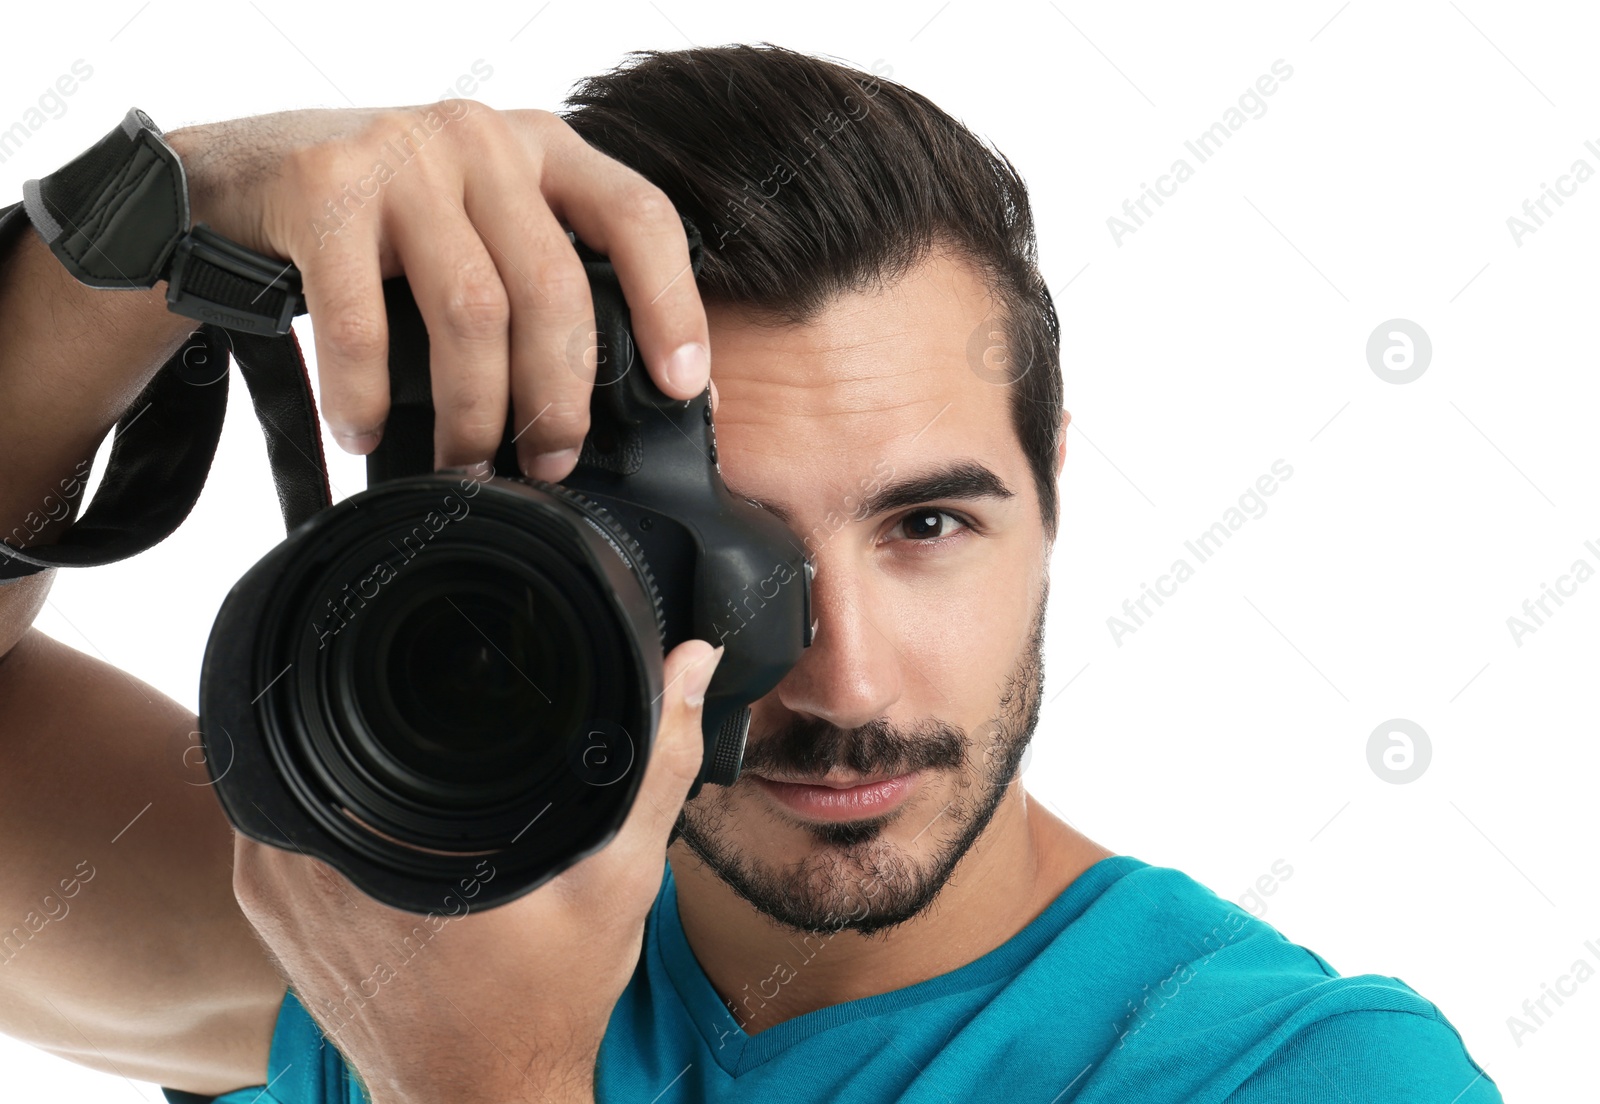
[1136, 983]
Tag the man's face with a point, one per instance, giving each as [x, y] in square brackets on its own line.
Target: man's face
[926, 659]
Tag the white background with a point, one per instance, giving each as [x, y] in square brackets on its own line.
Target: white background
[1229, 331]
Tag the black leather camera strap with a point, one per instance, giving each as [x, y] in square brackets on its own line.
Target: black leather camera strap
[163, 446]
[117, 216]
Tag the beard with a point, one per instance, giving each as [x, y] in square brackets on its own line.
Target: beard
[852, 879]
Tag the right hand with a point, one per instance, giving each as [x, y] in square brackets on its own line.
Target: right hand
[542, 973]
[476, 220]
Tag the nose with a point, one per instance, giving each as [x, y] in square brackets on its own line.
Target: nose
[850, 674]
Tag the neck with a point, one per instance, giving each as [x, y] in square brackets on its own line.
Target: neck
[767, 973]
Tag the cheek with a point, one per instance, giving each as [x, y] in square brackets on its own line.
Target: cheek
[962, 634]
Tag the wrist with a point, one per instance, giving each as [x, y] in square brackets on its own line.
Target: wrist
[195, 154]
[212, 167]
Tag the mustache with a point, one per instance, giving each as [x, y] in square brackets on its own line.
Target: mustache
[806, 746]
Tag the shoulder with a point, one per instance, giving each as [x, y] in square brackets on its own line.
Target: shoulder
[1261, 1017]
[1371, 1055]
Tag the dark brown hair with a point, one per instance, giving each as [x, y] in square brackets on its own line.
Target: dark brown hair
[808, 178]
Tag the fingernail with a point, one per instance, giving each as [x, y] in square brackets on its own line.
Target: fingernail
[358, 443]
[689, 367]
[551, 466]
[481, 470]
[698, 677]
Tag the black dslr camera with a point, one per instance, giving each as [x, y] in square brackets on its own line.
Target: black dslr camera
[442, 673]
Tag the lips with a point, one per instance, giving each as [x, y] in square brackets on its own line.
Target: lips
[835, 799]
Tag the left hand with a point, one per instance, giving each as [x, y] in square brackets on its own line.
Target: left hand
[502, 1005]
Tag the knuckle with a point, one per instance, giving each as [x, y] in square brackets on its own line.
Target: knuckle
[477, 305]
[355, 334]
[480, 114]
[463, 106]
[564, 424]
[475, 418]
[644, 204]
[316, 170]
[546, 122]
[556, 280]
[389, 122]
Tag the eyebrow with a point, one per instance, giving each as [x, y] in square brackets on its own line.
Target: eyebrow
[960, 479]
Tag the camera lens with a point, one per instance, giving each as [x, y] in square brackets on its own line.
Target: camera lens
[463, 682]
[436, 673]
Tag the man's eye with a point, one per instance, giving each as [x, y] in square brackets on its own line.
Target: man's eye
[930, 526]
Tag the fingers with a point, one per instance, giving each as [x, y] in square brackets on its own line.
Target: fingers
[467, 311]
[344, 293]
[552, 315]
[620, 214]
[479, 235]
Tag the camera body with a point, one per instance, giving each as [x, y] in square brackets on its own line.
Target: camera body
[443, 673]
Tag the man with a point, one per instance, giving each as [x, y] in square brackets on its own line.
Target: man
[876, 910]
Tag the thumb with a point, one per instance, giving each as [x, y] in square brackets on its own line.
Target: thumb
[679, 747]
[680, 742]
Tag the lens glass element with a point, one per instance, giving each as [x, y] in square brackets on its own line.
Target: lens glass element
[466, 680]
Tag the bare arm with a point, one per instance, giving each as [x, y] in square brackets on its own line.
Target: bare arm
[121, 944]
[141, 963]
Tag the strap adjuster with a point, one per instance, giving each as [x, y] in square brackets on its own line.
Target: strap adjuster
[218, 281]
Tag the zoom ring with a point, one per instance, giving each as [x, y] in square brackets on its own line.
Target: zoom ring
[634, 553]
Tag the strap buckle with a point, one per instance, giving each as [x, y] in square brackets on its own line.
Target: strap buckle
[218, 281]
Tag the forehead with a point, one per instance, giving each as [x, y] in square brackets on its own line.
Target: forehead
[885, 374]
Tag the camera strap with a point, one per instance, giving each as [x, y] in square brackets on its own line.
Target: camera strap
[163, 447]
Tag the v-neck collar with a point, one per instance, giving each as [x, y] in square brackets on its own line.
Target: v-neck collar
[737, 1052]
